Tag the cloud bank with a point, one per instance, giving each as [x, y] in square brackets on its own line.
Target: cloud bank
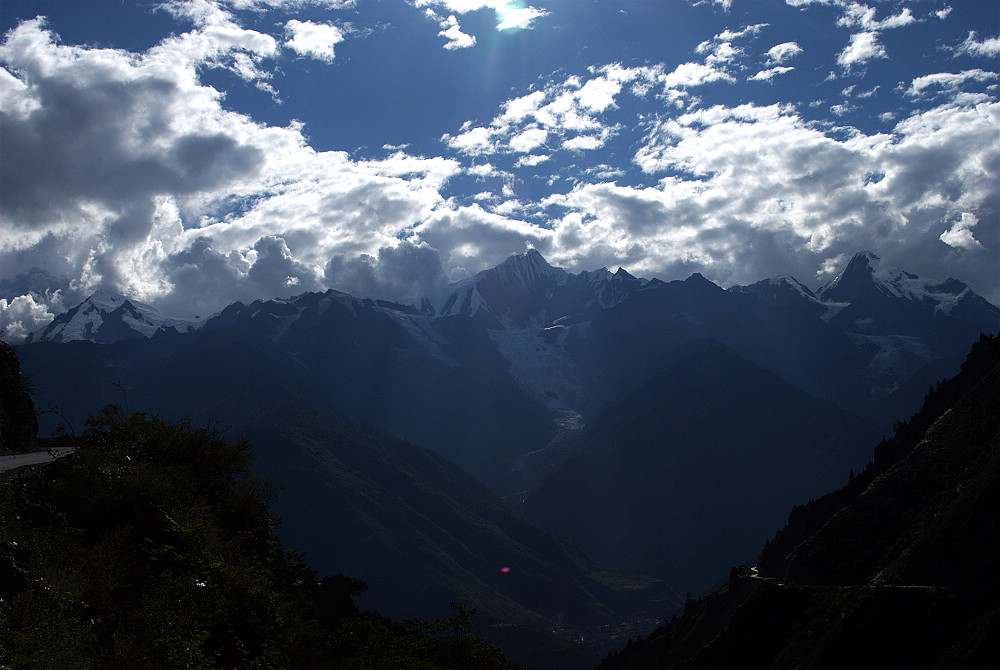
[127, 171]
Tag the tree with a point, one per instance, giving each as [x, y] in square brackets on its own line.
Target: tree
[18, 424]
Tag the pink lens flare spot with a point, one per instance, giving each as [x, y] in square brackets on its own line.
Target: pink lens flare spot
[505, 569]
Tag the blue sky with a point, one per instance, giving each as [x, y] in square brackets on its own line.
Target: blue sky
[191, 153]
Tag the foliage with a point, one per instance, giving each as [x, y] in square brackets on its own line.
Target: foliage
[18, 425]
[153, 546]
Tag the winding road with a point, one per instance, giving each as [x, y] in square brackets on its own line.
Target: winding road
[17, 461]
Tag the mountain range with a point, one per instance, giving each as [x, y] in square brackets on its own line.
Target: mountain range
[640, 426]
[875, 325]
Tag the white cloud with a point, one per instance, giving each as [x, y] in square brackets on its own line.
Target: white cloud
[780, 53]
[744, 186]
[725, 4]
[723, 54]
[513, 17]
[24, 315]
[531, 161]
[770, 73]
[959, 235]
[947, 80]
[473, 239]
[315, 40]
[510, 15]
[473, 141]
[564, 113]
[943, 13]
[570, 113]
[191, 206]
[451, 31]
[861, 16]
[863, 48]
[583, 143]
[687, 75]
[747, 31]
[528, 140]
[598, 94]
[987, 48]
[260, 5]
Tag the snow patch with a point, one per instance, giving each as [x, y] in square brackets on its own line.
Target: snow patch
[542, 368]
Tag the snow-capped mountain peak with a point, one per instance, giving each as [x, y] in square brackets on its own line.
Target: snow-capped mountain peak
[525, 291]
[865, 273]
[524, 269]
[108, 317]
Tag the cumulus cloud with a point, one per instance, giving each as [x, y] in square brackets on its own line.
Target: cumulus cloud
[861, 16]
[947, 80]
[862, 48]
[987, 48]
[687, 75]
[770, 73]
[192, 205]
[314, 40]
[864, 43]
[737, 179]
[473, 239]
[451, 31]
[23, 315]
[186, 196]
[405, 273]
[960, 234]
[780, 53]
[568, 111]
[510, 15]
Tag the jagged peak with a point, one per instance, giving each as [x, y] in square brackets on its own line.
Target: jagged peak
[698, 278]
[624, 274]
[107, 300]
[865, 271]
[531, 258]
[793, 283]
[772, 287]
[523, 268]
[865, 258]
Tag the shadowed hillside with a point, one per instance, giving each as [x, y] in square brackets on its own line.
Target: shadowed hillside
[897, 569]
[153, 546]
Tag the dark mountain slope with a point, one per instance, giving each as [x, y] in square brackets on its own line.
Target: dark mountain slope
[437, 382]
[526, 291]
[425, 534]
[421, 531]
[932, 493]
[897, 569]
[903, 326]
[623, 345]
[696, 467]
[152, 545]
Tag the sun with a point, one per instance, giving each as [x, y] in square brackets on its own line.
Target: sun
[515, 15]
